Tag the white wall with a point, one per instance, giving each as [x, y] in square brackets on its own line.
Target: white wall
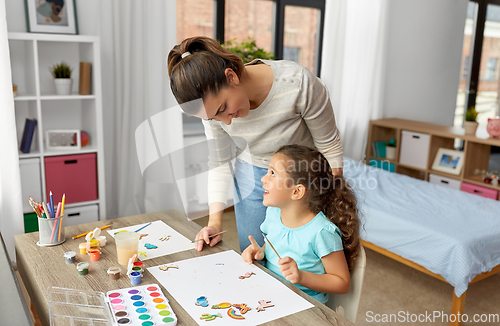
[87, 14]
[424, 49]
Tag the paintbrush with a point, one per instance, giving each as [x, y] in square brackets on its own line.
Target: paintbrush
[210, 236]
[270, 244]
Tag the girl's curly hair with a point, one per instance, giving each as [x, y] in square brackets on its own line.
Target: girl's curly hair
[326, 193]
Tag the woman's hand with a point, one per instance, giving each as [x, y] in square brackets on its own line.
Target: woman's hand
[253, 251]
[290, 271]
[204, 234]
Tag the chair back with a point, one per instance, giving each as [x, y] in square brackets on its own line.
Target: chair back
[350, 301]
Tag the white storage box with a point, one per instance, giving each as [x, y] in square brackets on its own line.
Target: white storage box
[80, 215]
[30, 182]
[414, 149]
[444, 181]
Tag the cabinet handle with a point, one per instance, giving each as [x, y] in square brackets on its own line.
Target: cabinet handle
[443, 181]
[70, 161]
[73, 214]
[415, 136]
[477, 191]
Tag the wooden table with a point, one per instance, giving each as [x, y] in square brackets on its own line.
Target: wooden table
[41, 267]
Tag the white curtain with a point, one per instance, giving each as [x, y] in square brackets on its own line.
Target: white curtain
[136, 37]
[353, 66]
[11, 211]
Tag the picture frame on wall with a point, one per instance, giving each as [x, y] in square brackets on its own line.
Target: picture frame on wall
[449, 161]
[51, 16]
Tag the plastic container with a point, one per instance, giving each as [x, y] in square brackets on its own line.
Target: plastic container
[77, 307]
[135, 278]
[51, 231]
[102, 240]
[95, 255]
[127, 245]
[114, 273]
[70, 257]
[83, 248]
[137, 269]
[83, 268]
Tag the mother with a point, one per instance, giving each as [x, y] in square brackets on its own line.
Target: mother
[273, 103]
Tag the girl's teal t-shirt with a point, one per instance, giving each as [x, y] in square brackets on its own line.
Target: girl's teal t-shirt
[305, 244]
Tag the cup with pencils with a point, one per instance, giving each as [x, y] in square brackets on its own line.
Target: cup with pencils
[50, 221]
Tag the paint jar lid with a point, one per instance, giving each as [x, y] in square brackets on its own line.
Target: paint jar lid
[83, 245]
[82, 266]
[69, 254]
[93, 234]
[114, 270]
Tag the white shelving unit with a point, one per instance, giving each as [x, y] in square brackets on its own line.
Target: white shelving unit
[31, 55]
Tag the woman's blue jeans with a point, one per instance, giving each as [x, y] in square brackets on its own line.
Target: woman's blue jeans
[248, 207]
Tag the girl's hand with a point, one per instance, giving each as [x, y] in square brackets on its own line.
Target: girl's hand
[204, 234]
[253, 251]
[289, 270]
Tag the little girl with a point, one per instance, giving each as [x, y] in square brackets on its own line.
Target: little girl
[312, 222]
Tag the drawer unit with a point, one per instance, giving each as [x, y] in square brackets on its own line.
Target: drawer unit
[444, 181]
[414, 149]
[481, 191]
[30, 182]
[73, 175]
[80, 215]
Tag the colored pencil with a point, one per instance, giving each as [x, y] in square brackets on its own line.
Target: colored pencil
[62, 207]
[84, 234]
[52, 205]
[60, 227]
[210, 236]
[270, 244]
[53, 232]
[143, 227]
[58, 209]
[46, 209]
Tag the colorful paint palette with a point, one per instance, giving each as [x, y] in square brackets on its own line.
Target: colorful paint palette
[144, 305]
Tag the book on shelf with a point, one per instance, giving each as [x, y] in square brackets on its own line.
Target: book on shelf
[85, 78]
[28, 132]
[379, 148]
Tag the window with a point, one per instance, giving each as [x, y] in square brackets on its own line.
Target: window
[195, 17]
[479, 83]
[492, 69]
[292, 29]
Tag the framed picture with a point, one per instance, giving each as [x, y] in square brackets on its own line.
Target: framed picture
[51, 16]
[63, 139]
[449, 161]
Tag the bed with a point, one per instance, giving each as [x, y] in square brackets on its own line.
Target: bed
[448, 234]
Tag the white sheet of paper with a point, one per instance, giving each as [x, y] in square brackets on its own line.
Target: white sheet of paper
[176, 243]
[216, 277]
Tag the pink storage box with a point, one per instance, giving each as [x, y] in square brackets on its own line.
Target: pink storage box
[73, 175]
[481, 191]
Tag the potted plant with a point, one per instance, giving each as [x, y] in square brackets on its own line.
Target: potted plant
[390, 149]
[470, 123]
[247, 50]
[62, 78]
